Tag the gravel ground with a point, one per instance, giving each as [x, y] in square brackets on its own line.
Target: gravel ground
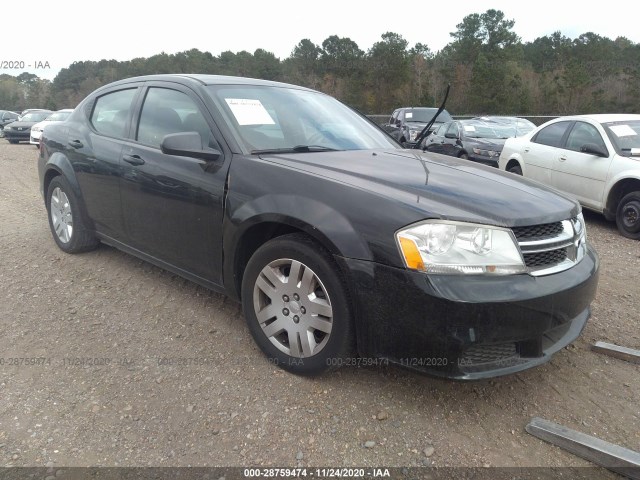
[178, 381]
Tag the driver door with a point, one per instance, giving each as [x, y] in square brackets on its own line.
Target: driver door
[173, 205]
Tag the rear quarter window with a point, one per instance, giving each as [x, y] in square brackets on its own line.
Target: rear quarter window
[111, 111]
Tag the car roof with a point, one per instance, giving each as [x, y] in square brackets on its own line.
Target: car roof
[208, 80]
[603, 117]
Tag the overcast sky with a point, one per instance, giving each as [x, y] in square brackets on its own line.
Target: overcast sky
[62, 32]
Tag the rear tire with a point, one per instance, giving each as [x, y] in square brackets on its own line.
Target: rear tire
[515, 169]
[628, 215]
[65, 221]
[297, 306]
[464, 156]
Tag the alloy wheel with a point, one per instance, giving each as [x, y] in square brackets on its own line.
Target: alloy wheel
[293, 308]
[61, 216]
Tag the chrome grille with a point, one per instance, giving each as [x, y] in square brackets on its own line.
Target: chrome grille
[550, 247]
[538, 232]
[543, 259]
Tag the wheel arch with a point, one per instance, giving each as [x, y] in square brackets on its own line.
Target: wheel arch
[620, 188]
[59, 165]
[514, 162]
[275, 215]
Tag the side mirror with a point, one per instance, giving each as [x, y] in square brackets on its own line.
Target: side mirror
[450, 135]
[398, 123]
[593, 149]
[187, 144]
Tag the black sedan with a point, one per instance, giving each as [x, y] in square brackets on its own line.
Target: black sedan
[477, 140]
[20, 130]
[6, 117]
[333, 237]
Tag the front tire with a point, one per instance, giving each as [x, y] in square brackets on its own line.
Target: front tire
[515, 169]
[65, 221]
[628, 216]
[297, 306]
[12, 141]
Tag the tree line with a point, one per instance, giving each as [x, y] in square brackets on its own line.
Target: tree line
[490, 69]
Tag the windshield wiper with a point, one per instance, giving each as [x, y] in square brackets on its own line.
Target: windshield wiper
[296, 149]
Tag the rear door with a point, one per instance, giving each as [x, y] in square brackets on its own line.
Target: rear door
[583, 175]
[541, 154]
[173, 205]
[95, 149]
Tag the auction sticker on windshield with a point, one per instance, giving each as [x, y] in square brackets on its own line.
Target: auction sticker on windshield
[249, 111]
[623, 130]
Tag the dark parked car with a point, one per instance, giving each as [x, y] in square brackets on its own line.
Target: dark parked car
[475, 140]
[406, 124]
[331, 235]
[6, 117]
[20, 130]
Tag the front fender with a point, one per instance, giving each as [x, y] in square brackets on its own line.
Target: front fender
[327, 226]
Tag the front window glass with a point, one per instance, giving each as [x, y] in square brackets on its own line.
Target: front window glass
[442, 129]
[583, 133]
[453, 130]
[625, 136]
[168, 111]
[266, 118]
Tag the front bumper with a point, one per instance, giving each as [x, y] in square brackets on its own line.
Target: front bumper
[17, 135]
[486, 160]
[469, 327]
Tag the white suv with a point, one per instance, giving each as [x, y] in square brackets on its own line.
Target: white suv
[595, 158]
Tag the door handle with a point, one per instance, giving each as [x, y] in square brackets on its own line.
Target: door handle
[133, 159]
[75, 144]
[526, 149]
[562, 159]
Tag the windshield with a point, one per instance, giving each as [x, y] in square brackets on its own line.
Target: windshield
[267, 118]
[35, 117]
[474, 129]
[424, 115]
[511, 126]
[58, 116]
[625, 136]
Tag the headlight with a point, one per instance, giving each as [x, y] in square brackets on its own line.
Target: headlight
[36, 129]
[436, 246]
[486, 153]
[580, 229]
[7, 127]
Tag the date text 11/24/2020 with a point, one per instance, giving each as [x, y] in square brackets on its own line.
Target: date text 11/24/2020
[20, 64]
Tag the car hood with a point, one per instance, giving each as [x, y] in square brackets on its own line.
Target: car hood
[438, 186]
[17, 124]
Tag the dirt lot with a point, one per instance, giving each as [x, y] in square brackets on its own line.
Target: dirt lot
[178, 380]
